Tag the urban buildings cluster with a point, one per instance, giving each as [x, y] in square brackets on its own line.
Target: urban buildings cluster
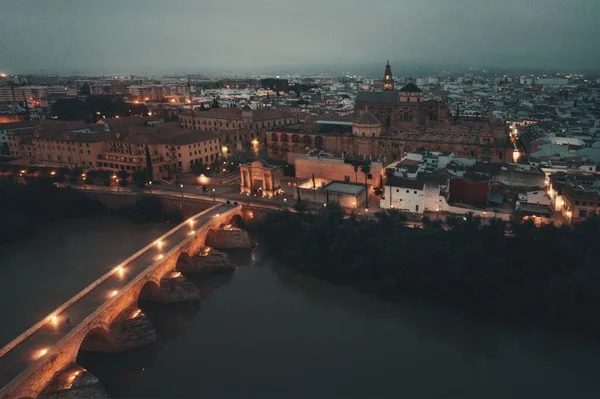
[477, 143]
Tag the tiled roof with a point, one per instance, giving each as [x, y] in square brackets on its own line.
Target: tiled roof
[411, 88]
[379, 97]
[395, 181]
[368, 119]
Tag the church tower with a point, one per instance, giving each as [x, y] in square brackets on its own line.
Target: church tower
[388, 80]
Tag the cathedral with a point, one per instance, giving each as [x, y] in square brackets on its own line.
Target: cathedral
[399, 108]
[390, 123]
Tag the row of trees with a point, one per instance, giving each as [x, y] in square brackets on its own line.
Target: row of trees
[547, 276]
[94, 107]
[76, 175]
[24, 207]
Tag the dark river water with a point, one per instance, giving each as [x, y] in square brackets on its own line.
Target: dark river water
[269, 332]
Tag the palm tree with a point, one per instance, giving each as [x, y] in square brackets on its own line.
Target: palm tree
[366, 169]
[355, 173]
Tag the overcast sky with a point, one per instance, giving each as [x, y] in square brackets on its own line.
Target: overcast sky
[279, 36]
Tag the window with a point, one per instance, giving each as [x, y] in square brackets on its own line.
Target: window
[415, 192]
[397, 190]
[407, 191]
[179, 155]
[88, 152]
[582, 214]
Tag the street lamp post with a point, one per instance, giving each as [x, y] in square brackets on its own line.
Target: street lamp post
[213, 195]
[182, 198]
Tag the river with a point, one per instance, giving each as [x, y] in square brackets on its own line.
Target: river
[270, 332]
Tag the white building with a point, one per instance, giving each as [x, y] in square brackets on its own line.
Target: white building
[413, 195]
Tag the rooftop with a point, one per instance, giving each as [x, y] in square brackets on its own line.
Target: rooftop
[381, 97]
[345, 188]
[367, 119]
[415, 184]
[410, 88]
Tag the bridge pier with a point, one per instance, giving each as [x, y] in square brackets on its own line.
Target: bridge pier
[176, 288]
[228, 237]
[207, 260]
[130, 330]
[74, 382]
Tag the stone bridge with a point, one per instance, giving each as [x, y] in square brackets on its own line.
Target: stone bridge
[105, 316]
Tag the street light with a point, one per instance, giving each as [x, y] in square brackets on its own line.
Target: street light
[213, 194]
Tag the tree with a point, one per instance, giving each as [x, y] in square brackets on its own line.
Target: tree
[85, 90]
[215, 103]
[139, 178]
[198, 168]
[355, 173]
[301, 206]
[123, 175]
[74, 175]
[149, 171]
[366, 169]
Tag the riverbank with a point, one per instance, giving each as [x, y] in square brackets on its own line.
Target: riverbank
[26, 207]
[535, 276]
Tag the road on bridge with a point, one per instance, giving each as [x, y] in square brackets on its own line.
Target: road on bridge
[35, 342]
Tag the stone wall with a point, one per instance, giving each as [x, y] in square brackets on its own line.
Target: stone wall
[113, 201]
[228, 238]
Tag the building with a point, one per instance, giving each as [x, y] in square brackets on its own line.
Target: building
[425, 193]
[19, 126]
[259, 177]
[237, 127]
[275, 84]
[75, 144]
[388, 124]
[388, 80]
[329, 168]
[580, 202]
[348, 195]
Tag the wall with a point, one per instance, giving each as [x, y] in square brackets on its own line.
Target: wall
[335, 169]
[113, 201]
[319, 196]
[468, 192]
[476, 212]
[407, 199]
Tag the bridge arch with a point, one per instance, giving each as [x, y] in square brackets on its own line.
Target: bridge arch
[183, 261]
[237, 221]
[150, 290]
[210, 237]
[97, 339]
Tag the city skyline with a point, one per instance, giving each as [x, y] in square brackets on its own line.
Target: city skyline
[279, 37]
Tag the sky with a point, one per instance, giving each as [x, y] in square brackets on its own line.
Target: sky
[295, 36]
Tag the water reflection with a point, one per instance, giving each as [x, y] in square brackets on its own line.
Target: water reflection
[117, 372]
[475, 340]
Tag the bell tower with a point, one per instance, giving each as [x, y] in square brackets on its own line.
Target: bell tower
[388, 80]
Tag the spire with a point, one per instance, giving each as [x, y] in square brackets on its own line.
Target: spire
[388, 79]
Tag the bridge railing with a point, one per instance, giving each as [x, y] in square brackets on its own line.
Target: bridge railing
[30, 331]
